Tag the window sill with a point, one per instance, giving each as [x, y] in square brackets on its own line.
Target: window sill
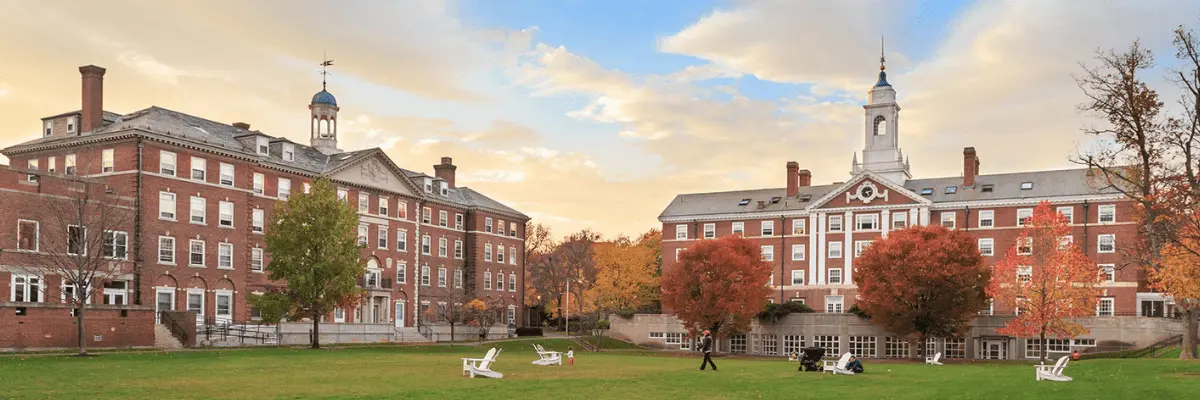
[198, 223]
[256, 271]
[196, 266]
[225, 268]
[167, 219]
[225, 226]
[167, 264]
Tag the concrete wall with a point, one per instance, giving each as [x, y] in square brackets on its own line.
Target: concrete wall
[51, 326]
[441, 333]
[298, 333]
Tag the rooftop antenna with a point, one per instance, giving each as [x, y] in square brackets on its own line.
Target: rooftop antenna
[325, 63]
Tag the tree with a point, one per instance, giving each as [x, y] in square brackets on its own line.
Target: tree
[483, 313]
[453, 312]
[624, 272]
[577, 252]
[313, 243]
[274, 307]
[923, 282]
[1047, 278]
[84, 240]
[719, 283]
[538, 244]
[1179, 277]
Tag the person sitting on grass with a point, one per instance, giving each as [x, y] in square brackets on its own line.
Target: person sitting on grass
[794, 356]
[854, 365]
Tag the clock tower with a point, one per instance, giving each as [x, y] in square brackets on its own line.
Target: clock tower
[881, 152]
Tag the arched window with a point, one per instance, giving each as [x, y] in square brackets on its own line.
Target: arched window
[880, 125]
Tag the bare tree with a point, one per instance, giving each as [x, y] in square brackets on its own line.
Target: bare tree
[450, 309]
[84, 239]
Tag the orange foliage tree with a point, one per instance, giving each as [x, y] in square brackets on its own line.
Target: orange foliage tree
[624, 269]
[717, 283]
[1178, 271]
[1047, 278]
[924, 281]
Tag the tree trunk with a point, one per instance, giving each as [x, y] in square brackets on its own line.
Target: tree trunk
[316, 337]
[81, 331]
[1042, 346]
[452, 333]
[1188, 349]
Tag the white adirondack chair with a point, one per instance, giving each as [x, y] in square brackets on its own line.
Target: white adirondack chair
[837, 367]
[482, 366]
[935, 360]
[1053, 372]
[546, 357]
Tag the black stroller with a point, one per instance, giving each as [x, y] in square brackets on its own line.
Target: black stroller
[810, 359]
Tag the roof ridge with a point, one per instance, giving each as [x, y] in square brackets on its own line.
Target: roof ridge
[1005, 174]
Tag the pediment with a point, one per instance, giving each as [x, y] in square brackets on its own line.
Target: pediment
[375, 172]
[868, 190]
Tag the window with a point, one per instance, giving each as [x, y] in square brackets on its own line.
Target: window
[285, 188]
[69, 164]
[1026, 185]
[458, 279]
[458, 249]
[76, 240]
[364, 202]
[226, 177]
[362, 234]
[402, 240]
[681, 232]
[259, 182]
[899, 220]
[443, 216]
[926, 191]
[166, 250]
[512, 281]
[383, 206]
[1068, 213]
[263, 146]
[28, 235]
[831, 344]
[487, 280]
[863, 346]
[487, 225]
[166, 205]
[458, 221]
[401, 210]
[861, 246]
[1024, 215]
[225, 255]
[987, 247]
[500, 281]
[487, 252]
[225, 214]
[426, 215]
[948, 219]
[116, 244]
[956, 348]
[866, 222]
[499, 227]
[895, 348]
[1106, 243]
[199, 167]
[198, 205]
[27, 289]
[166, 163]
[987, 188]
[426, 245]
[256, 259]
[710, 231]
[401, 273]
[1065, 241]
[835, 223]
[768, 253]
[1025, 246]
[116, 292]
[341, 195]
[835, 276]
[739, 228]
[106, 163]
[512, 229]
[441, 277]
[797, 252]
[289, 152]
[1107, 213]
[425, 275]
[737, 343]
[768, 228]
[382, 237]
[677, 251]
[256, 220]
[951, 189]
[1104, 307]
[797, 277]
[500, 254]
[987, 219]
[835, 250]
[48, 128]
[1108, 273]
[512, 255]
[1024, 274]
[770, 344]
[834, 304]
[196, 253]
[442, 244]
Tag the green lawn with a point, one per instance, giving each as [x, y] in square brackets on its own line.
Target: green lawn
[434, 373]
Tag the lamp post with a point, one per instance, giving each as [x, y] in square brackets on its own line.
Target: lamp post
[567, 310]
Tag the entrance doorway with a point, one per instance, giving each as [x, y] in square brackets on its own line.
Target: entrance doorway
[1153, 308]
[164, 300]
[400, 314]
[995, 349]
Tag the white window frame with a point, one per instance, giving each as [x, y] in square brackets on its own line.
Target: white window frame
[458, 278]
[166, 201]
[989, 244]
[797, 277]
[382, 234]
[198, 210]
[1108, 273]
[834, 224]
[1028, 212]
[426, 215]
[512, 255]
[835, 250]
[260, 183]
[256, 260]
[69, 164]
[487, 252]
[224, 248]
[27, 288]
[37, 235]
[487, 224]
[426, 245]
[835, 304]
[227, 175]
[402, 273]
[950, 217]
[500, 253]
[191, 251]
[263, 145]
[167, 163]
[860, 246]
[458, 221]
[443, 247]
[458, 249]
[441, 282]
[1110, 310]
[363, 234]
[225, 214]
[987, 219]
[738, 228]
[1109, 210]
[798, 251]
[289, 152]
[1068, 212]
[402, 240]
[899, 218]
[107, 163]
[869, 220]
[364, 202]
[1111, 238]
[84, 239]
[257, 220]
[710, 230]
[284, 188]
[681, 232]
[767, 228]
[425, 275]
[383, 207]
[443, 218]
[835, 274]
[203, 170]
[111, 252]
[768, 252]
[163, 240]
[799, 226]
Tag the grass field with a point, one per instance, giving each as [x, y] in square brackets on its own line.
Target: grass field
[433, 372]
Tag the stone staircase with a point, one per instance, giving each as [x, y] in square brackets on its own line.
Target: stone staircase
[163, 339]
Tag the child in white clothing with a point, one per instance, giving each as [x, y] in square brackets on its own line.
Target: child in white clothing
[570, 356]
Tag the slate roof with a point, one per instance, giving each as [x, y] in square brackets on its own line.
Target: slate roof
[1054, 183]
[182, 127]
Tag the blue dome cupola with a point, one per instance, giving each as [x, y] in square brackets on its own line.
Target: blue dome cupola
[324, 97]
[323, 117]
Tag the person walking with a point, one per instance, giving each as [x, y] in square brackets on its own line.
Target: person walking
[706, 345]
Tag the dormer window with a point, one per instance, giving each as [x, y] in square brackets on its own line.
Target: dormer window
[263, 148]
[49, 128]
[289, 152]
[445, 189]
[1026, 185]
[987, 187]
[428, 185]
[744, 202]
[926, 191]
[951, 189]
[70, 125]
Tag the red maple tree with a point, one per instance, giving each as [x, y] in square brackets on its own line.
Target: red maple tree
[924, 281]
[1047, 279]
[720, 283]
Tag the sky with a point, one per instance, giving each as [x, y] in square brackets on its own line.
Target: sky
[596, 114]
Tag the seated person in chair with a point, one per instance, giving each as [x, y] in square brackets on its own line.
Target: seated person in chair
[854, 365]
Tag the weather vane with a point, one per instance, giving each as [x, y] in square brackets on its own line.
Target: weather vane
[881, 53]
[324, 68]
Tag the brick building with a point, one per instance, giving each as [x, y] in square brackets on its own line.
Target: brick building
[204, 191]
[812, 234]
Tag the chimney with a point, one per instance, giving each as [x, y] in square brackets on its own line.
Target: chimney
[241, 125]
[445, 171]
[792, 188]
[970, 167]
[93, 98]
[805, 178]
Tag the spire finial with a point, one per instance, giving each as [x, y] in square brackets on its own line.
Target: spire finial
[325, 63]
[881, 59]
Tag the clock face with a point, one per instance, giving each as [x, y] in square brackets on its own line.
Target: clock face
[867, 192]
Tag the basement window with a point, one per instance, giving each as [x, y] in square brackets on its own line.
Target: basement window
[744, 202]
[951, 189]
[987, 188]
[926, 191]
[1026, 185]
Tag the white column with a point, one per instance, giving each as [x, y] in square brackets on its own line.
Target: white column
[821, 249]
[912, 217]
[924, 215]
[848, 246]
[883, 223]
[811, 248]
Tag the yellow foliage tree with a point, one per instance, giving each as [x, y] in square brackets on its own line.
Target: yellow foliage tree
[624, 270]
[1179, 277]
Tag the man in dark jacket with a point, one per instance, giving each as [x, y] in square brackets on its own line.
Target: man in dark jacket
[706, 344]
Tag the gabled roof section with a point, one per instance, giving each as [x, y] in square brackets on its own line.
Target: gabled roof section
[742, 202]
[879, 181]
[342, 161]
[1041, 184]
[107, 116]
[475, 199]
